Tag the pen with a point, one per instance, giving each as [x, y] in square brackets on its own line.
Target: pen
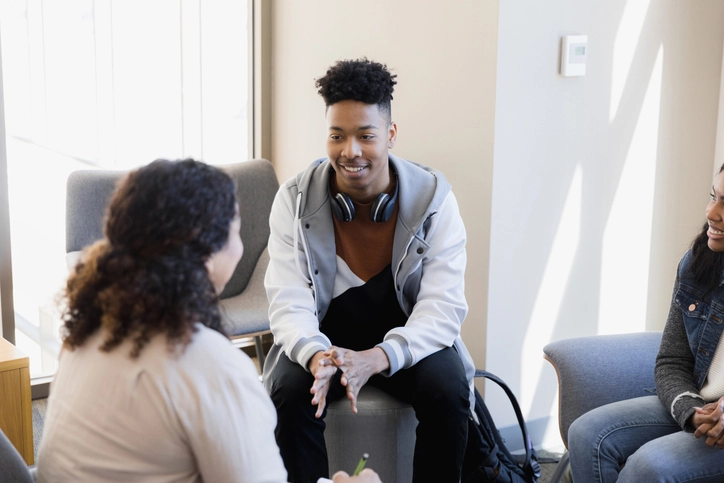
[361, 464]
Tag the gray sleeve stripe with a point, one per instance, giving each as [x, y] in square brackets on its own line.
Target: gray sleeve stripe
[404, 347]
[304, 345]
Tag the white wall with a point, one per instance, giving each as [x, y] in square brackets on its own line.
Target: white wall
[579, 194]
[599, 182]
[444, 56]
[719, 153]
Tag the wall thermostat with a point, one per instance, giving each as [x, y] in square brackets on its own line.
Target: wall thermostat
[574, 51]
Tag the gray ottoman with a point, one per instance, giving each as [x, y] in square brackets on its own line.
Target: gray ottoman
[383, 427]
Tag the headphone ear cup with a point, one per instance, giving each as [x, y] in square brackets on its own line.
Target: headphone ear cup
[379, 208]
[342, 207]
[383, 207]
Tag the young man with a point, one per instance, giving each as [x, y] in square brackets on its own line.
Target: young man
[365, 285]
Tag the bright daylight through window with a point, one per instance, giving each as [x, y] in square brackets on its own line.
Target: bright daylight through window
[92, 84]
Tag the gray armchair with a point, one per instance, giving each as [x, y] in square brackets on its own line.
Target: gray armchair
[598, 370]
[12, 465]
[244, 304]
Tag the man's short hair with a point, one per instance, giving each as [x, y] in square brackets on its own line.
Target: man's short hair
[358, 80]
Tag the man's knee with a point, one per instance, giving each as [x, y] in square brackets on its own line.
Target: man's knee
[441, 381]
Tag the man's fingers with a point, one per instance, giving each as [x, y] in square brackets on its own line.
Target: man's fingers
[320, 407]
[352, 396]
[353, 402]
[337, 356]
[325, 373]
[321, 383]
[318, 394]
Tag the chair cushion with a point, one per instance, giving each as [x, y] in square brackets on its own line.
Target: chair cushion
[256, 187]
[383, 427]
[248, 312]
[88, 194]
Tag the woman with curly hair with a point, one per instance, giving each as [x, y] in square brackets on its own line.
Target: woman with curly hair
[148, 386]
[678, 434]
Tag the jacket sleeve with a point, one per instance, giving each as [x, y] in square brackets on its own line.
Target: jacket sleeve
[674, 372]
[292, 307]
[438, 313]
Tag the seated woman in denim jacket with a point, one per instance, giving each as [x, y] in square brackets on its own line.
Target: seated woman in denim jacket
[678, 435]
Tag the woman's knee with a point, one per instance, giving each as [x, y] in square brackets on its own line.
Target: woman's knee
[676, 457]
[590, 428]
[646, 465]
[596, 434]
[631, 419]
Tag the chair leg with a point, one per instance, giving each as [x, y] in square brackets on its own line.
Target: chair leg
[560, 469]
[259, 351]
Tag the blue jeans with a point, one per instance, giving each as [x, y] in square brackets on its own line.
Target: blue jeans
[638, 441]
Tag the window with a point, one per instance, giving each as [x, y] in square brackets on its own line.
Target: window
[92, 84]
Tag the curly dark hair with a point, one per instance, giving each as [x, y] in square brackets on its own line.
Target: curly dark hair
[358, 80]
[707, 265]
[148, 275]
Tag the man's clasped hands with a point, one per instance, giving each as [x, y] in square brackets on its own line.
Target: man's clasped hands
[356, 366]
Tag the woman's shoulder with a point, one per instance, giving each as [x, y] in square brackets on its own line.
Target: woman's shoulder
[209, 345]
[685, 263]
[213, 354]
[208, 370]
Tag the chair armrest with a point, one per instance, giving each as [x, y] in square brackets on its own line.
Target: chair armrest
[597, 370]
[248, 312]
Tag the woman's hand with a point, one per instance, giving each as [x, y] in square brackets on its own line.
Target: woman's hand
[708, 422]
[357, 368]
[366, 476]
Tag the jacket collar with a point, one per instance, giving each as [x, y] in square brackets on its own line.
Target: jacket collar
[426, 186]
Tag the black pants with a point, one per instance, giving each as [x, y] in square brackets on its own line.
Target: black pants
[436, 388]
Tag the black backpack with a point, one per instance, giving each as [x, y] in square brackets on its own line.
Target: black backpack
[486, 457]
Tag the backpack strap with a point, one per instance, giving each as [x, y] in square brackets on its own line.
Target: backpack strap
[531, 467]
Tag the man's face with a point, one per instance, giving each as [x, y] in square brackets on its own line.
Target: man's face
[358, 138]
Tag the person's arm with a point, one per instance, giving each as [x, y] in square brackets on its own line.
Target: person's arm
[292, 308]
[440, 309]
[674, 372]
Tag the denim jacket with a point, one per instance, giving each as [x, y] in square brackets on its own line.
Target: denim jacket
[690, 338]
[702, 319]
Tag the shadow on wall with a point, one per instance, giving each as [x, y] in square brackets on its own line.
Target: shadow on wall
[579, 204]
